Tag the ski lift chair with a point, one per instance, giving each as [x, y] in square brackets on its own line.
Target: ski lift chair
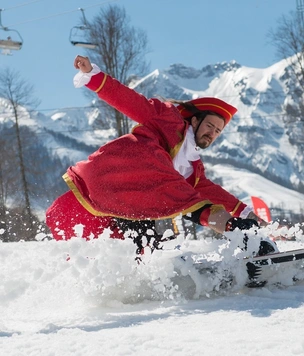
[78, 34]
[8, 43]
[77, 37]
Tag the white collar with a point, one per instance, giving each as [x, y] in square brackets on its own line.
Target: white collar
[188, 153]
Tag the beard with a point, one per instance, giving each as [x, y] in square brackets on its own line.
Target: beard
[204, 141]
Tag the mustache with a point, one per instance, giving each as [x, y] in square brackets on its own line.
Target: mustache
[207, 136]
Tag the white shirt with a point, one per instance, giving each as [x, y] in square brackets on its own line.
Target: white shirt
[188, 153]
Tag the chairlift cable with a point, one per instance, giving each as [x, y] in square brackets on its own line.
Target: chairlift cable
[20, 5]
[61, 13]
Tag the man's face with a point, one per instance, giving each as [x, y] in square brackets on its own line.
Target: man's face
[208, 131]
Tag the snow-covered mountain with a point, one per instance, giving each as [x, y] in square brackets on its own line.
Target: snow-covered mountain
[257, 138]
[257, 142]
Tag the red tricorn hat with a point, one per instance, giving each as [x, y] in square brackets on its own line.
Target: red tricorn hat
[210, 104]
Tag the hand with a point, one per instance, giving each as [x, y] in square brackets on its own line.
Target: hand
[83, 64]
[253, 216]
[242, 224]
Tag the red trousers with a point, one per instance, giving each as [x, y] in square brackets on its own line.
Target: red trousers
[67, 218]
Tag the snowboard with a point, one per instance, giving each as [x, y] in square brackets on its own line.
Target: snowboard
[261, 270]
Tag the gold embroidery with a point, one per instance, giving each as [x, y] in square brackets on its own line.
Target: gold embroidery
[102, 84]
[173, 151]
[236, 208]
[197, 179]
[90, 209]
[79, 197]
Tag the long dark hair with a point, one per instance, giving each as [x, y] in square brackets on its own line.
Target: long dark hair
[187, 105]
[200, 114]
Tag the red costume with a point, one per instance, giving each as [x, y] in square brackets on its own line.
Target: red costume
[133, 177]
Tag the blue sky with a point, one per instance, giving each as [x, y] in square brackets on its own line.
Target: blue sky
[192, 32]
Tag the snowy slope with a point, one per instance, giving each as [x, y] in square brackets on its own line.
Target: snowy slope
[100, 302]
[245, 184]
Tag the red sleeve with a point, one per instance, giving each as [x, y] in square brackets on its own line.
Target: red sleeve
[126, 100]
[159, 118]
[216, 194]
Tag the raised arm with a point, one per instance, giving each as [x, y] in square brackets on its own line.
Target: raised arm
[126, 100]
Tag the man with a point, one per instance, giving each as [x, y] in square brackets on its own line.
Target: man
[154, 173]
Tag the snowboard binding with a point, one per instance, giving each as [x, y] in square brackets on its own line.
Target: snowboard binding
[254, 269]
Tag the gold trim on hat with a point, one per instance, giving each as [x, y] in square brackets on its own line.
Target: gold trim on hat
[209, 104]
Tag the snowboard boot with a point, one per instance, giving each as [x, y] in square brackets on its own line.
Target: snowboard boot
[267, 246]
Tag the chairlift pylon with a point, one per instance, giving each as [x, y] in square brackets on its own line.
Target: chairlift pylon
[78, 34]
[10, 42]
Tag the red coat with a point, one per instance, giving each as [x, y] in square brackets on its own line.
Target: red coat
[133, 176]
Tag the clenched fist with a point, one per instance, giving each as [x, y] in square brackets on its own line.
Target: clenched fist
[83, 64]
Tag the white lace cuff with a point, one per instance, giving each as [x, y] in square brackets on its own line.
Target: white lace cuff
[82, 79]
[246, 212]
